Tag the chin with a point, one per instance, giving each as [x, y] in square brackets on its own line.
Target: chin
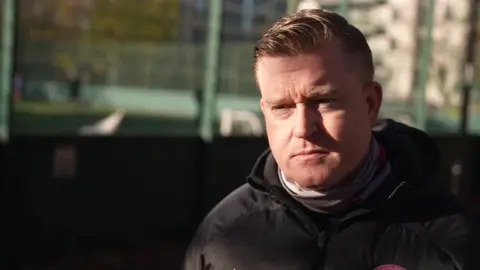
[313, 184]
[311, 175]
[315, 180]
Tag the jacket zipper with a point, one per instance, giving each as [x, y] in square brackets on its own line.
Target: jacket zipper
[322, 238]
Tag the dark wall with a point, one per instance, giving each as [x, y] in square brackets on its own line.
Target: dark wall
[133, 192]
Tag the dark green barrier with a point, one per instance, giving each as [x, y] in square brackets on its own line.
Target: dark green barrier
[129, 193]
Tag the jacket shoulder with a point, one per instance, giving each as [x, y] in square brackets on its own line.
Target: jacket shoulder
[238, 205]
[454, 229]
[457, 234]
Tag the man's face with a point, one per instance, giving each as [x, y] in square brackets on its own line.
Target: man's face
[318, 114]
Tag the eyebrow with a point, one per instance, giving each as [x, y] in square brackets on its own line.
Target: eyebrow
[322, 91]
[314, 92]
[274, 102]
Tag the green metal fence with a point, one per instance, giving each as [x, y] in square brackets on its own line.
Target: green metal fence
[6, 71]
[191, 61]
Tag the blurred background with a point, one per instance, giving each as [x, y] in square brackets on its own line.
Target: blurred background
[123, 122]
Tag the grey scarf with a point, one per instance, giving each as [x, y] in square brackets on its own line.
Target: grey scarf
[371, 174]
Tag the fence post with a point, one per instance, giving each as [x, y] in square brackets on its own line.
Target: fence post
[424, 67]
[460, 183]
[212, 70]
[8, 33]
[292, 6]
[343, 9]
[469, 66]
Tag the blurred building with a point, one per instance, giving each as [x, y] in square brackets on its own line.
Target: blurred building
[391, 30]
[450, 37]
[394, 32]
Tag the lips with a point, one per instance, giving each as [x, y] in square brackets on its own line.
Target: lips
[311, 152]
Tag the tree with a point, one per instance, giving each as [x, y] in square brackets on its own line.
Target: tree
[65, 33]
[139, 21]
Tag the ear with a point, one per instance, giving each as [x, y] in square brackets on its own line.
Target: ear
[373, 97]
[263, 105]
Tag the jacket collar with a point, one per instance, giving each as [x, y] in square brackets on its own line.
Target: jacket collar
[407, 181]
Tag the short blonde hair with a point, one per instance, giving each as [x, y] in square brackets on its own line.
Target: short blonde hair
[304, 31]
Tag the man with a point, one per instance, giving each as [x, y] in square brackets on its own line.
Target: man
[330, 193]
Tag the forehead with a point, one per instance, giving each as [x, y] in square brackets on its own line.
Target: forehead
[325, 67]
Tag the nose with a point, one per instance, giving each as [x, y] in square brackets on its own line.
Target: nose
[305, 122]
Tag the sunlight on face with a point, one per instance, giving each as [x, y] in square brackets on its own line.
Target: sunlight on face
[318, 115]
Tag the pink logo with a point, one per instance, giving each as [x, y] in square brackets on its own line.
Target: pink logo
[389, 267]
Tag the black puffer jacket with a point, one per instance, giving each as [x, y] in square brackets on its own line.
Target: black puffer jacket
[408, 222]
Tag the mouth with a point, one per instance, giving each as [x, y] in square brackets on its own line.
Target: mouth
[311, 153]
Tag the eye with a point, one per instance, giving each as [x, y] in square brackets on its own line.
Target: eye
[279, 107]
[321, 102]
[282, 109]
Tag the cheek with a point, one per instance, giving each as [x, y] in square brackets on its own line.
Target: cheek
[348, 121]
[336, 125]
[350, 129]
[279, 135]
[278, 132]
